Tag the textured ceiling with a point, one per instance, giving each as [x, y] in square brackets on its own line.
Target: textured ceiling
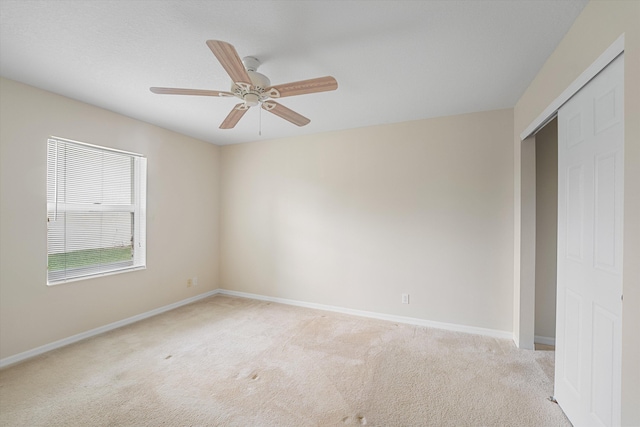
[394, 60]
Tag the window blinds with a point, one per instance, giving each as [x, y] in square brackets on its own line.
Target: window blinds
[96, 208]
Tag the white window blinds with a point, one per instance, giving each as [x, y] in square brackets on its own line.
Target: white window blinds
[96, 209]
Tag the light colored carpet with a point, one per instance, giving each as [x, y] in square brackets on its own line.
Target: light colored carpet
[227, 361]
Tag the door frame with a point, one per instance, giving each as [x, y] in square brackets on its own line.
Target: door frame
[525, 235]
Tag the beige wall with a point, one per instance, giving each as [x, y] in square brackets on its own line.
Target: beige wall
[546, 146]
[356, 218]
[182, 225]
[597, 27]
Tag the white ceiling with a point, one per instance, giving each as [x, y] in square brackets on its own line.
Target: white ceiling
[394, 60]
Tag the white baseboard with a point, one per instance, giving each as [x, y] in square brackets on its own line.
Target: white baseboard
[102, 329]
[390, 317]
[544, 340]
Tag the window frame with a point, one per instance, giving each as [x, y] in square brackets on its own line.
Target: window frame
[138, 209]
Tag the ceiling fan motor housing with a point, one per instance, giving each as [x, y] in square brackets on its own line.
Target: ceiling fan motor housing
[259, 80]
[255, 93]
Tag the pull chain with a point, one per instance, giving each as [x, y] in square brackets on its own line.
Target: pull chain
[260, 121]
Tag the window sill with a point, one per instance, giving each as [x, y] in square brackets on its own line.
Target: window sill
[96, 275]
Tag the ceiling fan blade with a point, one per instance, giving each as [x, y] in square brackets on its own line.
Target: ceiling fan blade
[321, 84]
[234, 116]
[286, 113]
[229, 60]
[176, 91]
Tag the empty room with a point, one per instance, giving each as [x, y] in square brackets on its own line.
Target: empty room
[319, 213]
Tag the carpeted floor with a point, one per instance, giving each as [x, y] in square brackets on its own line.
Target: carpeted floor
[227, 361]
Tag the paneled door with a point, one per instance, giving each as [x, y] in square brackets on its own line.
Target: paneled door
[589, 300]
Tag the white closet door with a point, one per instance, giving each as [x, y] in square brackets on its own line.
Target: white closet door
[590, 205]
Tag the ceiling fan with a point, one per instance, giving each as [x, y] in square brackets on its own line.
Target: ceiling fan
[253, 88]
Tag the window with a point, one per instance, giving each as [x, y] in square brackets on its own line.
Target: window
[96, 210]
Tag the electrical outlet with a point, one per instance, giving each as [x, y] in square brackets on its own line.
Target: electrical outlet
[405, 298]
[189, 283]
[195, 281]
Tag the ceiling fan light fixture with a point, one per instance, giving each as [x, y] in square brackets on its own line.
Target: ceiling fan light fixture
[251, 99]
